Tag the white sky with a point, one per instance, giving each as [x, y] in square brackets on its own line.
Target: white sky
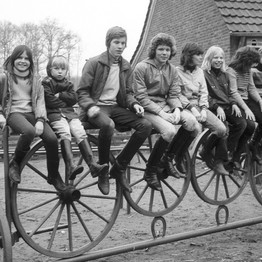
[90, 19]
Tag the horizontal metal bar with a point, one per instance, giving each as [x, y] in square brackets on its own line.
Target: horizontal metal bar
[163, 240]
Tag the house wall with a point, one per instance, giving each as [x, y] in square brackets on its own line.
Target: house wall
[189, 20]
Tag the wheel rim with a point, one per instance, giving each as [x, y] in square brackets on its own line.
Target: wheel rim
[61, 224]
[215, 188]
[256, 181]
[149, 202]
[5, 239]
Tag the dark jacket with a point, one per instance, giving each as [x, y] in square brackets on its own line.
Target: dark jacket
[63, 104]
[93, 80]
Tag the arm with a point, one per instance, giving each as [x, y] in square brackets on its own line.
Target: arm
[86, 84]
[69, 96]
[174, 94]
[203, 92]
[51, 100]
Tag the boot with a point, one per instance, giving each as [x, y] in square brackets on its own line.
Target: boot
[206, 151]
[95, 169]
[154, 169]
[219, 168]
[14, 166]
[189, 138]
[71, 169]
[117, 171]
[151, 177]
[253, 145]
[179, 142]
[54, 177]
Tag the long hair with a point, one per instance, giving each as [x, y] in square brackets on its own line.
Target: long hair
[244, 58]
[162, 39]
[188, 51]
[211, 52]
[17, 52]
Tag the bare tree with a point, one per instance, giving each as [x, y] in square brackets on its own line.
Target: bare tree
[8, 33]
[32, 36]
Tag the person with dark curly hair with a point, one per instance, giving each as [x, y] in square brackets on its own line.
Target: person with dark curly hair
[241, 80]
[156, 88]
[257, 74]
[195, 98]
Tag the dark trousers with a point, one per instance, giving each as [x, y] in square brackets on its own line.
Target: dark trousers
[24, 124]
[111, 117]
[238, 127]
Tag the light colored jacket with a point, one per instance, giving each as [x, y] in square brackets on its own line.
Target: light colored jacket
[155, 88]
[37, 95]
[193, 87]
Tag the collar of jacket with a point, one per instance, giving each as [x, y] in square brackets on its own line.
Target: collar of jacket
[152, 62]
[104, 59]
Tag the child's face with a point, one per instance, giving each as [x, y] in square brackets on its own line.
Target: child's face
[22, 62]
[217, 60]
[58, 72]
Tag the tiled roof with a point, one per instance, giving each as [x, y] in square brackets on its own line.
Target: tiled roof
[241, 15]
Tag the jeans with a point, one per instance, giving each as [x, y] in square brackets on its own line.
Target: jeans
[24, 124]
[64, 128]
[238, 127]
[116, 116]
[168, 130]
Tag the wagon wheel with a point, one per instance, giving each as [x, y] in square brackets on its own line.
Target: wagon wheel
[213, 188]
[62, 224]
[255, 179]
[149, 202]
[5, 239]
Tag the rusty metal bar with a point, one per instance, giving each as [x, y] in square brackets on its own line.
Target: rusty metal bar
[163, 240]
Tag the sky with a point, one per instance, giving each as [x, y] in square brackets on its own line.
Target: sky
[89, 19]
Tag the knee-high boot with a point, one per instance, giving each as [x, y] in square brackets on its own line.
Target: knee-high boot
[179, 142]
[151, 172]
[14, 166]
[71, 169]
[206, 155]
[95, 169]
[253, 145]
[54, 178]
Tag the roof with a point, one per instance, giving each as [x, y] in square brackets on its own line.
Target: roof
[241, 15]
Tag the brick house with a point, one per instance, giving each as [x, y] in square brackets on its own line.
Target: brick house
[227, 23]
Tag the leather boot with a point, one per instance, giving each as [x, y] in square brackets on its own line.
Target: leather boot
[176, 148]
[71, 169]
[118, 172]
[14, 166]
[188, 138]
[206, 152]
[159, 159]
[253, 145]
[219, 168]
[95, 169]
[151, 177]
[54, 177]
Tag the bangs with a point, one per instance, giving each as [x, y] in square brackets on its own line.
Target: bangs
[60, 62]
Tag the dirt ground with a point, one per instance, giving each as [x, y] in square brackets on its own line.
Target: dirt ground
[240, 245]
